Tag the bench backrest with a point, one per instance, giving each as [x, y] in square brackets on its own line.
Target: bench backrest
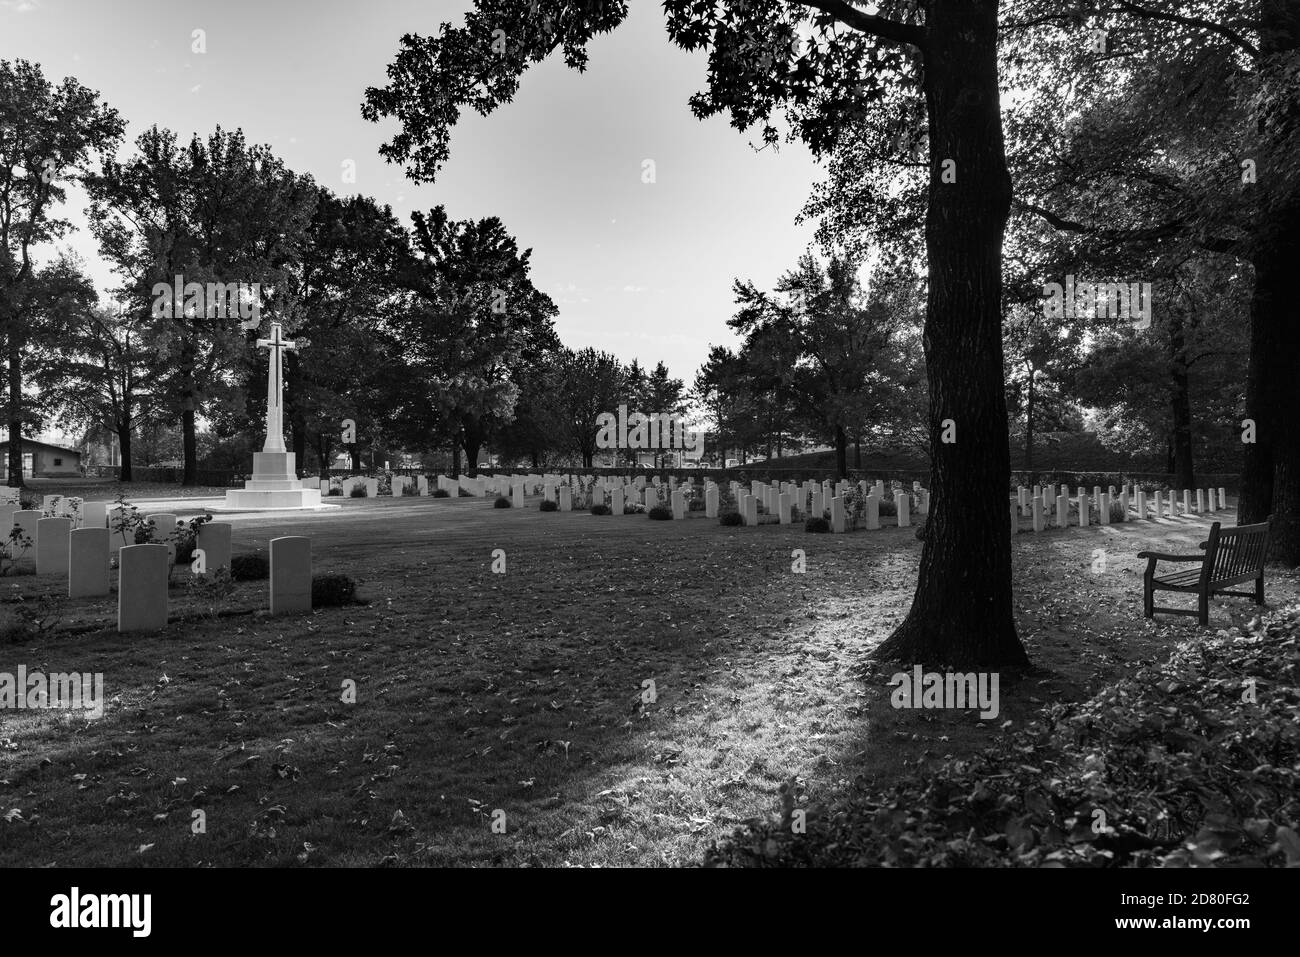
[1236, 554]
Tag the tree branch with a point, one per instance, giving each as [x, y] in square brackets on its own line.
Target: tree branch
[1128, 6]
[882, 27]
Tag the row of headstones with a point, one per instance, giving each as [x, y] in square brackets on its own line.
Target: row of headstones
[1039, 503]
[144, 573]
[777, 499]
[85, 554]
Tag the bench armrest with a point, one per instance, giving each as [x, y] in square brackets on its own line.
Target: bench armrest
[1161, 556]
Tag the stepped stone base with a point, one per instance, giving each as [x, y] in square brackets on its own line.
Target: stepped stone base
[274, 487]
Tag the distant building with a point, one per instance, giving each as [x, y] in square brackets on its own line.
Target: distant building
[42, 460]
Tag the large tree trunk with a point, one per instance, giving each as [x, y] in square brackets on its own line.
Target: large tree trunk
[124, 449]
[15, 406]
[841, 454]
[455, 458]
[1029, 423]
[189, 442]
[962, 612]
[1180, 404]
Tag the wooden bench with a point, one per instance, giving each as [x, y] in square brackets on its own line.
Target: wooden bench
[1232, 556]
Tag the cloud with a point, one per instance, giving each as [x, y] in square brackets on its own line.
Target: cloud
[196, 87]
[634, 288]
[19, 6]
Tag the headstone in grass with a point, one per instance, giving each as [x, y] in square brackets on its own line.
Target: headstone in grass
[1187, 501]
[818, 504]
[873, 511]
[1062, 510]
[678, 501]
[1141, 505]
[1103, 509]
[214, 539]
[837, 515]
[1015, 517]
[290, 575]
[398, 486]
[1084, 519]
[749, 510]
[52, 545]
[904, 504]
[784, 503]
[7, 511]
[164, 530]
[142, 588]
[616, 501]
[1223, 497]
[711, 502]
[94, 515]
[11, 496]
[422, 484]
[88, 558]
[1036, 510]
[566, 499]
[1200, 500]
[372, 488]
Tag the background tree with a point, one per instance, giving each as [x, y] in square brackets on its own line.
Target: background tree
[48, 136]
[212, 211]
[473, 317]
[589, 383]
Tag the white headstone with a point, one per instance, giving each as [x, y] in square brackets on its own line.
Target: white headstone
[1141, 505]
[1084, 518]
[1036, 507]
[566, 499]
[1187, 501]
[1200, 500]
[214, 539]
[903, 504]
[88, 557]
[26, 520]
[1062, 511]
[711, 502]
[142, 588]
[784, 503]
[678, 498]
[1015, 516]
[1103, 509]
[290, 575]
[372, 488]
[93, 515]
[837, 515]
[616, 501]
[52, 545]
[749, 506]
[873, 511]
[7, 510]
[422, 484]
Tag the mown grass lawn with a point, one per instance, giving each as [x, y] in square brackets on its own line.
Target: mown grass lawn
[525, 693]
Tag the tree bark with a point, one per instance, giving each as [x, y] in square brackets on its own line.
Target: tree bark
[841, 454]
[1029, 422]
[1180, 403]
[962, 611]
[455, 458]
[15, 406]
[124, 448]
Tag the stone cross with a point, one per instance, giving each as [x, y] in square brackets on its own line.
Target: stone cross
[275, 388]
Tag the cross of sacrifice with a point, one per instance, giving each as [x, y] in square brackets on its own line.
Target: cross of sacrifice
[274, 387]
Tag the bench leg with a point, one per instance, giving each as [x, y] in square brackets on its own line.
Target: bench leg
[1148, 599]
[1259, 590]
[1203, 609]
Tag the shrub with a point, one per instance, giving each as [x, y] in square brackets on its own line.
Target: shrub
[31, 619]
[332, 591]
[335, 490]
[1117, 510]
[549, 506]
[251, 567]
[661, 513]
[501, 502]
[358, 491]
[887, 507]
[730, 518]
[410, 488]
[464, 493]
[817, 524]
[441, 493]
[600, 510]
[695, 505]
[187, 538]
